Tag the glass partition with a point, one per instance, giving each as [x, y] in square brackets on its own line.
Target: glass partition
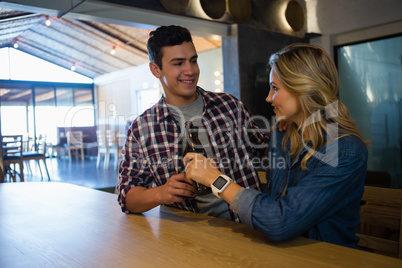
[16, 111]
[371, 87]
[39, 108]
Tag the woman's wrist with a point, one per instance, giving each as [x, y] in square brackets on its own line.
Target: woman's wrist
[212, 176]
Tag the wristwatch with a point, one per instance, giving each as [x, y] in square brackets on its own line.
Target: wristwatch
[220, 184]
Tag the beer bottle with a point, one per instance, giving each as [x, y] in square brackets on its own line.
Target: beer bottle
[193, 144]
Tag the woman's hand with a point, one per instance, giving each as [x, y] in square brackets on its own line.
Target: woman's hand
[283, 125]
[200, 169]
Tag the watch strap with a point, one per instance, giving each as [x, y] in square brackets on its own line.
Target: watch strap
[217, 191]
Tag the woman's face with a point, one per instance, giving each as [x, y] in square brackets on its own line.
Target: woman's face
[286, 104]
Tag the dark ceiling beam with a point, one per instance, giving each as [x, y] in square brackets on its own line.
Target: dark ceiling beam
[127, 41]
[61, 14]
[17, 16]
[105, 35]
[93, 10]
[37, 50]
[24, 15]
[83, 59]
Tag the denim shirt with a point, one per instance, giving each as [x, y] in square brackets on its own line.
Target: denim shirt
[320, 203]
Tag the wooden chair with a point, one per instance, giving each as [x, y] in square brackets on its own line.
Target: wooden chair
[262, 176]
[59, 149]
[75, 142]
[103, 149]
[38, 155]
[113, 141]
[378, 179]
[380, 221]
[12, 154]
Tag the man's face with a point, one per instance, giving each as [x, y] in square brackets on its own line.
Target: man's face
[179, 74]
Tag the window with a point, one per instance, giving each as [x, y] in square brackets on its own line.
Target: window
[371, 87]
[33, 107]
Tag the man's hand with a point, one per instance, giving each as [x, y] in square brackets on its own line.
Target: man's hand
[176, 189]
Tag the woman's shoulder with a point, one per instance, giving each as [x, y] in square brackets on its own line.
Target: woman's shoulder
[352, 146]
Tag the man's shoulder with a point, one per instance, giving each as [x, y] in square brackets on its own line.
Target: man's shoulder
[149, 116]
[221, 96]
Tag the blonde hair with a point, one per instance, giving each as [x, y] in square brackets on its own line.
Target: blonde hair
[309, 72]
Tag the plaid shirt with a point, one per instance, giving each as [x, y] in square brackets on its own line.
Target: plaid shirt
[152, 152]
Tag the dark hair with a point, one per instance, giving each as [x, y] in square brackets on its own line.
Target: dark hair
[165, 36]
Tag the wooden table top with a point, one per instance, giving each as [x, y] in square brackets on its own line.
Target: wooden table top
[50, 224]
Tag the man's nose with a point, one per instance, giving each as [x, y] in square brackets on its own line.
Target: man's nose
[189, 69]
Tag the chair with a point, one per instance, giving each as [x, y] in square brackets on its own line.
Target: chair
[75, 142]
[59, 149]
[12, 154]
[102, 148]
[262, 177]
[38, 155]
[378, 179]
[113, 142]
[380, 221]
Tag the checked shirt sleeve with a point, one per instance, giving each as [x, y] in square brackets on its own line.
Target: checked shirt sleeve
[134, 169]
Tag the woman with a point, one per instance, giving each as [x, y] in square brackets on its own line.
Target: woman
[317, 167]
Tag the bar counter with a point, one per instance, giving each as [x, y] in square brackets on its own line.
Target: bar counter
[50, 224]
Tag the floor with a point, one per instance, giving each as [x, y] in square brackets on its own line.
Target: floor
[77, 172]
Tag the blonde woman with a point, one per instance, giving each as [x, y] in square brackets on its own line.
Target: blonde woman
[316, 168]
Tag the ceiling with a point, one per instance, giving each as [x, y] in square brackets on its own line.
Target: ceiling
[86, 45]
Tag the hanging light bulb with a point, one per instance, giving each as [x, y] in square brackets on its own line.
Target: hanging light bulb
[113, 51]
[48, 22]
[15, 45]
[73, 68]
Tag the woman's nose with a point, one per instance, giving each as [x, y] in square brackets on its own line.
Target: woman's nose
[269, 97]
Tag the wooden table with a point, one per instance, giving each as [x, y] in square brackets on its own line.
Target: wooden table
[50, 224]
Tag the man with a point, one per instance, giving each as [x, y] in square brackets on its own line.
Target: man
[153, 150]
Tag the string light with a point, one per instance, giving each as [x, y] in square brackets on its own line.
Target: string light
[218, 81]
[15, 45]
[113, 51]
[48, 22]
[73, 68]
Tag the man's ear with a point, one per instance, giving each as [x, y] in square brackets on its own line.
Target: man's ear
[154, 69]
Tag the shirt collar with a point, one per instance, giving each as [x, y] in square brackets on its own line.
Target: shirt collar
[161, 109]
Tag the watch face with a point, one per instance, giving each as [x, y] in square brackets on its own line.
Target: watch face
[219, 182]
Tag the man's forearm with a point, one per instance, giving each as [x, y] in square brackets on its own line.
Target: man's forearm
[140, 199]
